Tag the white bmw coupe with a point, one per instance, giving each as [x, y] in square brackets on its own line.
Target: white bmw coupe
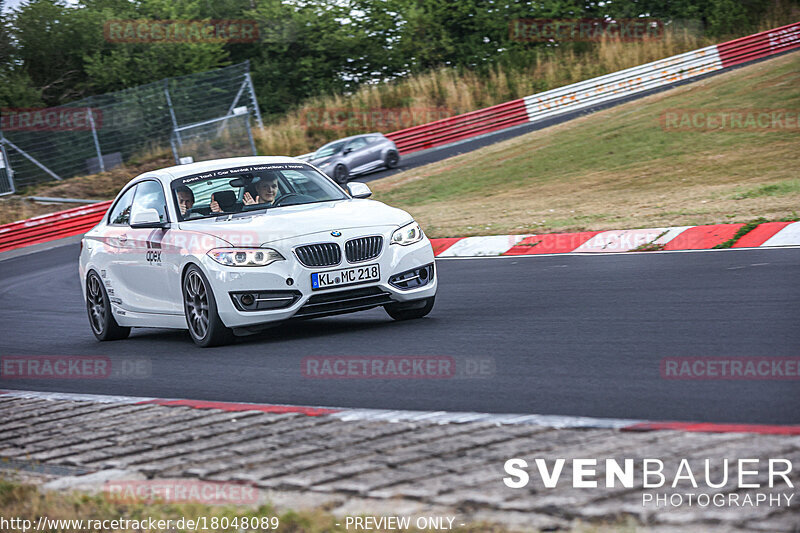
[225, 247]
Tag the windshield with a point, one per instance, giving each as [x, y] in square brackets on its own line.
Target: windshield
[251, 188]
[329, 149]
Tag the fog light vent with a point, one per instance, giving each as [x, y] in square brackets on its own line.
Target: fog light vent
[264, 300]
[411, 279]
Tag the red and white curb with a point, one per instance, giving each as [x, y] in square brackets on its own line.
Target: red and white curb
[431, 417]
[766, 235]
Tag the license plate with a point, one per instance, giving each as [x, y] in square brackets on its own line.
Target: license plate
[346, 276]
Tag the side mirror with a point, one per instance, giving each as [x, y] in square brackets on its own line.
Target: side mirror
[147, 218]
[359, 190]
[347, 150]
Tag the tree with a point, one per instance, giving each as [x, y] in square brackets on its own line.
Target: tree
[16, 87]
[308, 48]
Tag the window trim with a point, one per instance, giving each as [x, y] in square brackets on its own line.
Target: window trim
[353, 141]
[282, 181]
[116, 203]
[166, 203]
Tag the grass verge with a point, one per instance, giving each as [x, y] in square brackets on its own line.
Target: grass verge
[26, 502]
[619, 168]
[614, 169]
[447, 91]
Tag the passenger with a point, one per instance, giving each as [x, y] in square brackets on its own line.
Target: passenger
[185, 199]
[266, 190]
[223, 202]
[215, 208]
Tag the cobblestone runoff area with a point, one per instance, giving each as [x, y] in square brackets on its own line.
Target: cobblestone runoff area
[385, 467]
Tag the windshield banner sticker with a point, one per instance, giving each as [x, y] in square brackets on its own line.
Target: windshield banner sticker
[241, 170]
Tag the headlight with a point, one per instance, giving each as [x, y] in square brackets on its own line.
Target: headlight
[245, 257]
[408, 234]
[325, 164]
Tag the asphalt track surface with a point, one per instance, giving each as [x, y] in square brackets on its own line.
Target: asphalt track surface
[567, 335]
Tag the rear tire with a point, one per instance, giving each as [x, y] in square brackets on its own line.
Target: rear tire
[392, 159]
[200, 308]
[410, 310]
[101, 319]
[341, 174]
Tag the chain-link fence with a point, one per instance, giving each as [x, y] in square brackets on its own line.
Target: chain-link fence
[100, 132]
[227, 136]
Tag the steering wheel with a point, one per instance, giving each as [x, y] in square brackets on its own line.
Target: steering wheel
[199, 210]
[302, 197]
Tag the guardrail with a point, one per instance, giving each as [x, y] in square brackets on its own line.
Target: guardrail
[459, 127]
[604, 89]
[581, 95]
[45, 228]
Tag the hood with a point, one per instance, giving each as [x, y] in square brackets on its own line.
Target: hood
[298, 220]
[321, 160]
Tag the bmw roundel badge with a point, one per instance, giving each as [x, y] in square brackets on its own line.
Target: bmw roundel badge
[336, 233]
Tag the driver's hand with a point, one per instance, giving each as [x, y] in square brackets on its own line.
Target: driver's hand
[215, 207]
[248, 199]
[183, 209]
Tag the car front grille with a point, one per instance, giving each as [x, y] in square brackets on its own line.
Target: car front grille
[363, 248]
[334, 303]
[319, 255]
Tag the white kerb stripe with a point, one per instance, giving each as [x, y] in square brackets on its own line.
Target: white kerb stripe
[788, 236]
[482, 246]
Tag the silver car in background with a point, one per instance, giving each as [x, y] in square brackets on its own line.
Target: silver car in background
[359, 154]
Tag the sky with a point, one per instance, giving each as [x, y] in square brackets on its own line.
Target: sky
[8, 4]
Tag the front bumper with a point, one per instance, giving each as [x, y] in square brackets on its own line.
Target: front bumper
[291, 277]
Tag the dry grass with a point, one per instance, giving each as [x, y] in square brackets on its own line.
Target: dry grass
[26, 502]
[447, 92]
[619, 169]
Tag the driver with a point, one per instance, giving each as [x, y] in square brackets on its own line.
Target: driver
[266, 190]
[185, 198]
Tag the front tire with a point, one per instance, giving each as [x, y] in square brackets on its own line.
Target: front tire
[104, 326]
[200, 308]
[392, 159]
[410, 310]
[341, 174]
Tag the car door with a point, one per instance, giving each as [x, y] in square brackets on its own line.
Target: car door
[374, 149]
[146, 272]
[116, 249]
[359, 155]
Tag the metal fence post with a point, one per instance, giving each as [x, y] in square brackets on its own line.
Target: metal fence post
[250, 136]
[7, 163]
[27, 156]
[253, 100]
[172, 111]
[174, 149]
[96, 142]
